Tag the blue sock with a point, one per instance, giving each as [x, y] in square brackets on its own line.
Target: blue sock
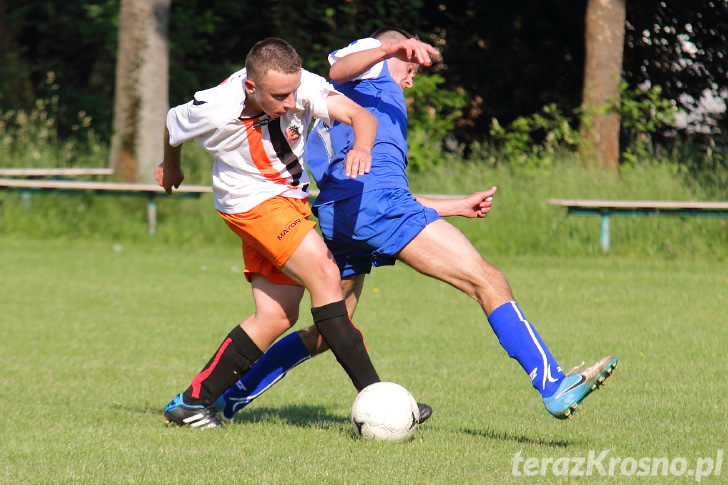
[281, 357]
[518, 337]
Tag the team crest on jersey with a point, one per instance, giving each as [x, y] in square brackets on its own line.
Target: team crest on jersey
[293, 132]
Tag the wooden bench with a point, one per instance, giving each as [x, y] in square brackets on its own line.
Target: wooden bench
[53, 172]
[607, 208]
[151, 191]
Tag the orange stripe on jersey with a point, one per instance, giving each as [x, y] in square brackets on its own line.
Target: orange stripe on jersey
[257, 152]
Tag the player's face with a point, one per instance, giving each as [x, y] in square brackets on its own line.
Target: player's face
[402, 72]
[275, 92]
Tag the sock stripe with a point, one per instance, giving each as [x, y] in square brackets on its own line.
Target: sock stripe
[361, 334]
[529, 328]
[200, 378]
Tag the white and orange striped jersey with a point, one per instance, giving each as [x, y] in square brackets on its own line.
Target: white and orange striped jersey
[255, 158]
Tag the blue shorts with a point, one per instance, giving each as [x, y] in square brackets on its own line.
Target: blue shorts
[369, 229]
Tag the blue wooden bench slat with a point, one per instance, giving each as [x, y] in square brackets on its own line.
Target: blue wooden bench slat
[151, 191]
[97, 186]
[607, 208]
[53, 172]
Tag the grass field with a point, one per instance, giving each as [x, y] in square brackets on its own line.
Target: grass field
[97, 337]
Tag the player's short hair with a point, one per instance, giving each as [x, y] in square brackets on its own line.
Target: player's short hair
[272, 53]
[383, 30]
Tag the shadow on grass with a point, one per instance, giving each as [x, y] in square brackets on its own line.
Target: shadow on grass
[504, 436]
[303, 416]
[307, 416]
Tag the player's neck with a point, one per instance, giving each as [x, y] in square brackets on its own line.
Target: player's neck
[251, 109]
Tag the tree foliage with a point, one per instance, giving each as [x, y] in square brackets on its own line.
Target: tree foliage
[73, 40]
[682, 47]
[510, 59]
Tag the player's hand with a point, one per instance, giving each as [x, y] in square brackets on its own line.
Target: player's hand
[168, 177]
[478, 204]
[412, 50]
[358, 162]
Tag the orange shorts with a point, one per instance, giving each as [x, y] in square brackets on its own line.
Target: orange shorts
[271, 231]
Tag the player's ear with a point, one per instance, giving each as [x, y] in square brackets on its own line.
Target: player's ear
[249, 86]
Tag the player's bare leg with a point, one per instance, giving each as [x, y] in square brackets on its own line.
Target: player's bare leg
[442, 251]
[276, 310]
[313, 265]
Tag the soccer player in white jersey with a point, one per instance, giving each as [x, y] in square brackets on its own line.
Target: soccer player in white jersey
[255, 124]
[375, 220]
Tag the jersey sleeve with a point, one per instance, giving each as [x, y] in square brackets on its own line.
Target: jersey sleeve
[185, 123]
[312, 95]
[358, 46]
[206, 111]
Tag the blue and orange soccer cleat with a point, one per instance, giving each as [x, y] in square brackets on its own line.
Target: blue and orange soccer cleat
[194, 416]
[577, 385]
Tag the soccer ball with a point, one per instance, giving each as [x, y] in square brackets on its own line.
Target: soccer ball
[385, 411]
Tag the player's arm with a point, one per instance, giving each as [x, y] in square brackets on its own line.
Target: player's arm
[409, 50]
[169, 173]
[477, 204]
[343, 109]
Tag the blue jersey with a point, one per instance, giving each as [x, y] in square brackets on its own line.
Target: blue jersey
[327, 147]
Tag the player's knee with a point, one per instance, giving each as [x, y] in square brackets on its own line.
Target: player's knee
[280, 320]
[332, 273]
[326, 275]
[492, 290]
[482, 281]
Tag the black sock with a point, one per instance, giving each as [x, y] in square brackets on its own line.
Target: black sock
[346, 342]
[235, 356]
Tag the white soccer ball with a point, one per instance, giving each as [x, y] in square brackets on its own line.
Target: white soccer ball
[385, 411]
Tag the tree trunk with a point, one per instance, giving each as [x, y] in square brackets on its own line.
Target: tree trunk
[604, 42]
[141, 92]
[4, 34]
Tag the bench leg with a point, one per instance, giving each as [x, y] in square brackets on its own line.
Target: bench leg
[151, 215]
[25, 197]
[604, 231]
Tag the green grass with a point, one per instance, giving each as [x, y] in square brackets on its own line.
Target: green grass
[97, 336]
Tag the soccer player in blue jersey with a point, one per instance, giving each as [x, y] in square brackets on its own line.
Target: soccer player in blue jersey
[374, 219]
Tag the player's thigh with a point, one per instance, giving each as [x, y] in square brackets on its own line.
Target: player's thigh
[276, 310]
[276, 302]
[440, 250]
[313, 265]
